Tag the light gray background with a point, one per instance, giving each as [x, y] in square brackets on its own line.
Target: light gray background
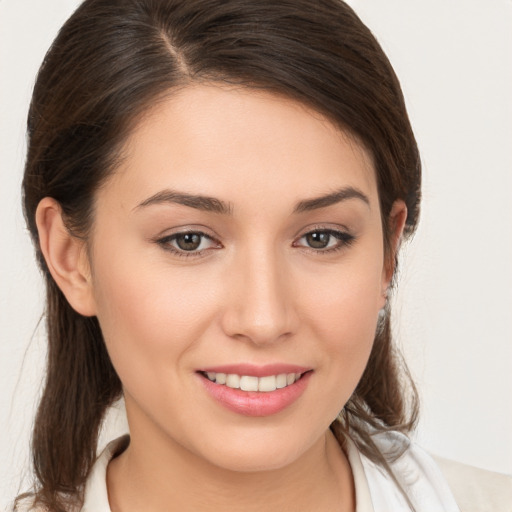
[454, 58]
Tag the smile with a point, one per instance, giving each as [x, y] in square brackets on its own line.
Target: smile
[251, 383]
[255, 391]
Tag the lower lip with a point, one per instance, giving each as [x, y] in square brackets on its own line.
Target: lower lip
[256, 403]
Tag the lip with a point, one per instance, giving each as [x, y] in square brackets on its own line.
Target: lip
[255, 370]
[256, 403]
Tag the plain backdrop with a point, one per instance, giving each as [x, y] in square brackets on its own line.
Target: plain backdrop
[454, 301]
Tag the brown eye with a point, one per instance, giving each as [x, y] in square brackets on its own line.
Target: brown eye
[188, 241]
[318, 239]
[325, 240]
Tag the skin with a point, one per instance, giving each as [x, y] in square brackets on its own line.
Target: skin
[255, 292]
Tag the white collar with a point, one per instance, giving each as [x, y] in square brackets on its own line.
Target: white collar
[416, 473]
[96, 495]
[375, 490]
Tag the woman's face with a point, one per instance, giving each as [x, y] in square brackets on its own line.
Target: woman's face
[240, 237]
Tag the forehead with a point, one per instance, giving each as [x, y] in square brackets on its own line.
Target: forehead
[228, 141]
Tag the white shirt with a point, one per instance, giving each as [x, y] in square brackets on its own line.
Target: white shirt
[415, 470]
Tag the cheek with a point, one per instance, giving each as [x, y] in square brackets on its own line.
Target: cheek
[342, 310]
[344, 305]
[150, 317]
[347, 331]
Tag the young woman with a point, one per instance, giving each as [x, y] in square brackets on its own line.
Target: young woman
[217, 192]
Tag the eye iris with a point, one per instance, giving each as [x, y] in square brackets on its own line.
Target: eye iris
[318, 240]
[188, 241]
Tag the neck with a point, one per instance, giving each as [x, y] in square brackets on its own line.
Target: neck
[155, 473]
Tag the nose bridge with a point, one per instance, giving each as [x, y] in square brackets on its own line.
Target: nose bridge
[260, 309]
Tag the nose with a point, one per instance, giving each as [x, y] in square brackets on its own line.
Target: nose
[260, 304]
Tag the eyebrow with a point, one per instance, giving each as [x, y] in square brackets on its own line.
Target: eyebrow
[212, 204]
[205, 203]
[335, 197]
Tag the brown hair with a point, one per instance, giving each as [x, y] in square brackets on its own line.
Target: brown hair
[110, 62]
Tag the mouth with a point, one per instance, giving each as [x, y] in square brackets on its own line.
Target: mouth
[275, 388]
[264, 384]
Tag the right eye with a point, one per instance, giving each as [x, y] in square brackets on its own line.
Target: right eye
[189, 243]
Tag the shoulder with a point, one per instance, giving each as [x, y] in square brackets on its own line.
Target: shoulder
[438, 482]
[477, 490]
[409, 475]
[96, 494]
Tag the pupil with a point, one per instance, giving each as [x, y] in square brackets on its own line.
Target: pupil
[189, 241]
[318, 240]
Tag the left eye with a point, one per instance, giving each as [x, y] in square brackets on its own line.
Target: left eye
[325, 239]
[188, 242]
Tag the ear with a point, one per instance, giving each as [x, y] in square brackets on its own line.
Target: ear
[66, 257]
[396, 223]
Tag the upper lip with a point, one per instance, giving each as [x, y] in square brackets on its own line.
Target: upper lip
[255, 370]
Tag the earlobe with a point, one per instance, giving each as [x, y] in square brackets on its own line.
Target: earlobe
[396, 222]
[65, 256]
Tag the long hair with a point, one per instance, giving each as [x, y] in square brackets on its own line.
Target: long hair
[110, 62]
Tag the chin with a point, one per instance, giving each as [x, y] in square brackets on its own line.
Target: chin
[258, 452]
[251, 462]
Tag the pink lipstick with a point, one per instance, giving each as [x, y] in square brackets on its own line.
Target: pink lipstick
[253, 390]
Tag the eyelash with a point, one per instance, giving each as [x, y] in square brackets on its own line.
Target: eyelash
[344, 240]
[165, 243]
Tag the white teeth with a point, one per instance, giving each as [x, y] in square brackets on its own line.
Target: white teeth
[248, 383]
[251, 383]
[267, 383]
[233, 380]
[281, 381]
